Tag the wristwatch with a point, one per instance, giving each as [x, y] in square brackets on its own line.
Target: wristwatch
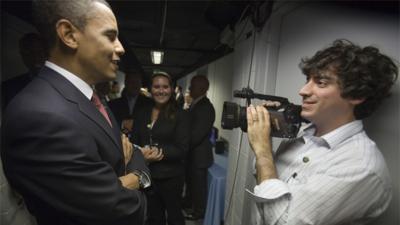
[144, 179]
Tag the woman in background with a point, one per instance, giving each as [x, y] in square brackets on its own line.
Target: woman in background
[162, 131]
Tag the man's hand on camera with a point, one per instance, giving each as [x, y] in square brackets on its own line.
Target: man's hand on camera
[258, 131]
[258, 128]
[271, 103]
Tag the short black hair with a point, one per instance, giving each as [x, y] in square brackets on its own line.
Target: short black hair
[47, 12]
[363, 73]
[202, 81]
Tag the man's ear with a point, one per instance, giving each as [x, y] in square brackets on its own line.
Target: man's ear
[67, 33]
[357, 101]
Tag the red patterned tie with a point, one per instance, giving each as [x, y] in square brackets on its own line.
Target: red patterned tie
[96, 101]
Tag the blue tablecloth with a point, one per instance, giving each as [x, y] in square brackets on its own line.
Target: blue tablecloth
[216, 195]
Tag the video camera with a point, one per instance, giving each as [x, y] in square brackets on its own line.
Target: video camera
[285, 119]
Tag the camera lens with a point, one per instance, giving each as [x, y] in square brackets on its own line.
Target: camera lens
[234, 116]
[230, 115]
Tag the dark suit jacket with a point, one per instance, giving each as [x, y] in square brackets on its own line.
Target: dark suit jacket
[120, 107]
[11, 87]
[170, 135]
[202, 119]
[180, 101]
[61, 154]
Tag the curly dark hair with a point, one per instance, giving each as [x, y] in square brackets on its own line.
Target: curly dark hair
[363, 73]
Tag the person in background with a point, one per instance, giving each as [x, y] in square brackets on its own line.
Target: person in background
[179, 96]
[13, 209]
[103, 89]
[115, 89]
[145, 92]
[187, 100]
[33, 53]
[60, 149]
[162, 130]
[131, 101]
[333, 173]
[200, 156]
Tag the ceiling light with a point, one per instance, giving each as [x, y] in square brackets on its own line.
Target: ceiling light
[157, 57]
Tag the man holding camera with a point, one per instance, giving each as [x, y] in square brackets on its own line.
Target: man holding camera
[332, 173]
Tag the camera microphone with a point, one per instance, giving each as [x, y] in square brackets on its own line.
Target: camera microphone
[249, 94]
[244, 93]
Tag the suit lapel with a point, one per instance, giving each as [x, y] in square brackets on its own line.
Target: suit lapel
[71, 93]
[116, 126]
[87, 108]
[201, 101]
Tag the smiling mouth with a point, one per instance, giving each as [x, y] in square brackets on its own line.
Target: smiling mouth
[307, 104]
[161, 97]
[115, 62]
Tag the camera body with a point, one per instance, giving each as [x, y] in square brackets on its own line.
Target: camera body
[285, 119]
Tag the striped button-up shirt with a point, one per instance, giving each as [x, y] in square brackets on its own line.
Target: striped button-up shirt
[339, 178]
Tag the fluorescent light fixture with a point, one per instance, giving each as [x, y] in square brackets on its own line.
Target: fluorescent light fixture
[157, 57]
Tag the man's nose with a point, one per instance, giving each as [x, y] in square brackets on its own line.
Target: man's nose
[119, 49]
[305, 90]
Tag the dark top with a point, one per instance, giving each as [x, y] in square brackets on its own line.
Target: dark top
[63, 157]
[180, 101]
[120, 107]
[172, 135]
[202, 116]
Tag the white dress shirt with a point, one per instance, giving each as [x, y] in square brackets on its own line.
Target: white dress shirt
[74, 79]
[195, 101]
[339, 178]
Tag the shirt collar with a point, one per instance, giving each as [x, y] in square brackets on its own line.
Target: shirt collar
[335, 137]
[195, 101]
[74, 79]
[131, 98]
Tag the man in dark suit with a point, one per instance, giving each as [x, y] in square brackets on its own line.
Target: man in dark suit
[60, 151]
[33, 54]
[126, 107]
[200, 156]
